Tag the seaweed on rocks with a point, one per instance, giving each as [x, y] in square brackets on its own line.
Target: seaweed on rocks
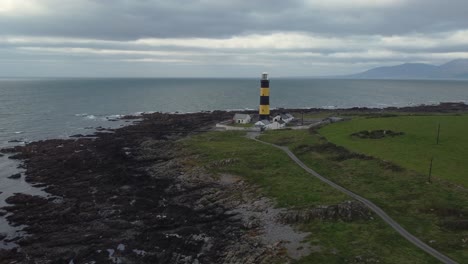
[124, 197]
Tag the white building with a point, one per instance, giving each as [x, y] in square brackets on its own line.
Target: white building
[262, 123]
[287, 117]
[283, 117]
[267, 125]
[242, 118]
[276, 118]
[333, 119]
[275, 125]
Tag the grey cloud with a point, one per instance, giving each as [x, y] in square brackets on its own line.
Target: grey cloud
[123, 19]
[150, 37]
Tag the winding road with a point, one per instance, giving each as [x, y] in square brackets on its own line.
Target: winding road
[416, 241]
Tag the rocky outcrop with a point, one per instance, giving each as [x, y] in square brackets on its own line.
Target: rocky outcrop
[346, 211]
[15, 176]
[223, 162]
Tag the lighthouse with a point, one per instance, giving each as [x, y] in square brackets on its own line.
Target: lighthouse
[264, 110]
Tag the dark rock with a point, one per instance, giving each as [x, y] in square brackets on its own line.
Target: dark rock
[7, 150]
[14, 157]
[15, 141]
[15, 176]
[40, 185]
[22, 199]
[77, 136]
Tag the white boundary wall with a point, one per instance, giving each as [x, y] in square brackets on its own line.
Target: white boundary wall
[233, 128]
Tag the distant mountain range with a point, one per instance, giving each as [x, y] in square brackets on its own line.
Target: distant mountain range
[456, 69]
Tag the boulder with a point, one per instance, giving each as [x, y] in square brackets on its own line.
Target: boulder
[15, 176]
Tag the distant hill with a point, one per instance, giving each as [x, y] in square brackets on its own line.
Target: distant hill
[456, 69]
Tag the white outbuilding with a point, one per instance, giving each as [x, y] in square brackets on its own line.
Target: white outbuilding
[267, 125]
[262, 123]
[242, 118]
[283, 117]
[274, 125]
[276, 118]
[287, 117]
[333, 119]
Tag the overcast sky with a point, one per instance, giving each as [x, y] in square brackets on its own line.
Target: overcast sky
[216, 38]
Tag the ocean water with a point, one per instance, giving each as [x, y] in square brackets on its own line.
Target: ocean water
[35, 109]
[32, 109]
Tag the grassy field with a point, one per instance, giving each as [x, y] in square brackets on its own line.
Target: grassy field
[265, 166]
[281, 179]
[433, 212]
[416, 147]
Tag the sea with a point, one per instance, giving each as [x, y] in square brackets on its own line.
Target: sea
[34, 109]
[43, 108]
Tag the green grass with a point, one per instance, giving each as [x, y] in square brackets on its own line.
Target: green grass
[404, 194]
[265, 166]
[282, 180]
[241, 125]
[365, 241]
[414, 149]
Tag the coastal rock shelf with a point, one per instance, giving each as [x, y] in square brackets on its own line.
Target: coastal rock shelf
[124, 197]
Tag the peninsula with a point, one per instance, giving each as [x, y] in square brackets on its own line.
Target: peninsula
[170, 188]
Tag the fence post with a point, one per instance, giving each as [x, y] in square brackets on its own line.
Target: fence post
[430, 169]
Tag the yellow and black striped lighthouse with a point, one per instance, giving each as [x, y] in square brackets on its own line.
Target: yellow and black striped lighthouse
[264, 110]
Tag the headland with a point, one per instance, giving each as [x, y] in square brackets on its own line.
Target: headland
[170, 189]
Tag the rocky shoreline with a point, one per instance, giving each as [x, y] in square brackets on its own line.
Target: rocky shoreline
[126, 196]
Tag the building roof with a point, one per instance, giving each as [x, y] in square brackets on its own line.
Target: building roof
[241, 116]
[262, 123]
